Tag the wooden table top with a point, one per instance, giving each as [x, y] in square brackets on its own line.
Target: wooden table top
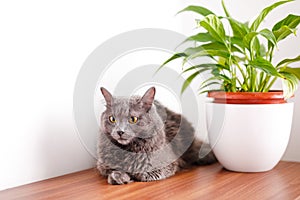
[205, 182]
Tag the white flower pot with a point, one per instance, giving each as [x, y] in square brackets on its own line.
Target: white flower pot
[249, 138]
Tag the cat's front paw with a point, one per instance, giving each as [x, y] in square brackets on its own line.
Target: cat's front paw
[118, 178]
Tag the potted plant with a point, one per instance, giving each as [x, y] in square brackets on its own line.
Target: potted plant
[248, 124]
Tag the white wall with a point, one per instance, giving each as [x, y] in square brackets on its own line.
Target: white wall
[43, 45]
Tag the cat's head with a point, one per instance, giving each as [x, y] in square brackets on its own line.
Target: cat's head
[129, 119]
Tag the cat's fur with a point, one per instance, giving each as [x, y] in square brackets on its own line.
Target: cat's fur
[158, 145]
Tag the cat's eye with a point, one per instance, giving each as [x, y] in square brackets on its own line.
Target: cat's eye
[133, 120]
[112, 119]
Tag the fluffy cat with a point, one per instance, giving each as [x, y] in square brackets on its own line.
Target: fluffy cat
[142, 140]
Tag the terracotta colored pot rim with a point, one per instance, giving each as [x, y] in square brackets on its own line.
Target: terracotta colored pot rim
[271, 97]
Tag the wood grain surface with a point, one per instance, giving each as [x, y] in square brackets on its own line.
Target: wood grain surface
[206, 182]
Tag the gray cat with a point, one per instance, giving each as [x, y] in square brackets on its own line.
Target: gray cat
[142, 140]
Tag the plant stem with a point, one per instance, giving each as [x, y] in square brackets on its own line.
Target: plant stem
[271, 83]
[261, 79]
[238, 80]
[242, 72]
[233, 75]
[271, 54]
[253, 79]
[265, 82]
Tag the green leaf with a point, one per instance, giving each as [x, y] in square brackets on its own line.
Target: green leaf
[239, 29]
[193, 50]
[206, 66]
[237, 42]
[263, 51]
[199, 69]
[201, 37]
[255, 46]
[220, 46]
[188, 81]
[289, 83]
[285, 27]
[224, 77]
[174, 57]
[195, 68]
[288, 61]
[291, 21]
[266, 33]
[266, 66]
[264, 13]
[213, 47]
[214, 27]
[248, 39]
[283, 32]
[215, 72]
[197, 9]
[209, 84]
[295, 71]
[214, 79]
[210, 53]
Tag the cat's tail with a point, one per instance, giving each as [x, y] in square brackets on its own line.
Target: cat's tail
[199, 153]
[205, 155]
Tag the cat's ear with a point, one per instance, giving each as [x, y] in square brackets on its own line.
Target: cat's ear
[148, 99]
[107, 96]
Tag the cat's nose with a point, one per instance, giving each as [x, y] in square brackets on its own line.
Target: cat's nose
[120, 133]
